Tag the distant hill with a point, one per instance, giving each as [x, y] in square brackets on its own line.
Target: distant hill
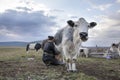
[17, 43]
[14, 43]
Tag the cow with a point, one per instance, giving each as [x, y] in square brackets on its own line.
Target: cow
[33, 46]
[83, 52]
[68, 40]
[113, 51]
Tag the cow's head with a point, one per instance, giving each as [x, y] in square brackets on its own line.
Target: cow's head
[81, 28]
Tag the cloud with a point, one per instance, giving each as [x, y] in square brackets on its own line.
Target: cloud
[23, 5]
[107, 30]
[118, 1]
[72, 16]
[108, 26]
[6, 4]
[7, 33]
[23, 8]
[88, 9]
[118, 11]
[56, 10]
[16, 24]
[102, 7]
[29, 18]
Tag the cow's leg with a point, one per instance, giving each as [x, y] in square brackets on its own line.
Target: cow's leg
[69, 65]
[86, 53]
[68, 58]
[74, 65]
[37, 50]
[27, 52]
[74, 59]
[27, 48]
[63, 58]
[59, 48]
[77, 53]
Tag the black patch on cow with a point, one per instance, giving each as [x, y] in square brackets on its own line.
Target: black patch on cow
[92, 24]
[71, 23]
[37, 46]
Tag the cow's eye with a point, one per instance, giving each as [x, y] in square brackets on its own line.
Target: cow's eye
[76, 25]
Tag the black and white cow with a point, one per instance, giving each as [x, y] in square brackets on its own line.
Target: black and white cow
[33, 46]
[68, 40]
[84, 52]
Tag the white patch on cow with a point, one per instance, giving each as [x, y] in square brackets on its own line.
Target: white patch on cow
[74, 67]
[32, 45]
[82, 25]
[69, 67]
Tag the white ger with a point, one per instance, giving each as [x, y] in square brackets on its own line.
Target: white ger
[68, 40]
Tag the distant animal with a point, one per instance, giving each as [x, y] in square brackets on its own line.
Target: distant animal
[33, 46]
[69, 39]
[83, 52]
[113, 51]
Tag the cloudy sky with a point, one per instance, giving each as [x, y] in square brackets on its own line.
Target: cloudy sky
[31, 20]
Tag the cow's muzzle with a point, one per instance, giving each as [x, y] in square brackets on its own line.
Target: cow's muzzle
[83, 36]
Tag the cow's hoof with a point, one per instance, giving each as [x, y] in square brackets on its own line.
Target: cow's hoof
[74, 71]
[69, 71]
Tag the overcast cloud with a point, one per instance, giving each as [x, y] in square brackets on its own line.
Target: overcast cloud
[24, 24]
[31, 20]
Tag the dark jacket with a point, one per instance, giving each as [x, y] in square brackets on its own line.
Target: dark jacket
[50, 48]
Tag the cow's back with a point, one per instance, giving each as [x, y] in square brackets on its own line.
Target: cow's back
[32, 45]
[58, 37]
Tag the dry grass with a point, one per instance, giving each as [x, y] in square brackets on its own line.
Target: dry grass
[14, 65]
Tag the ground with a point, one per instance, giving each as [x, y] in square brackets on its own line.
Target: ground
[16, 64]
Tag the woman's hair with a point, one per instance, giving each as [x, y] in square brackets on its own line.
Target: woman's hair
[50, 37]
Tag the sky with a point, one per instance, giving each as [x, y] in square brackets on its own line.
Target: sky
[32, 20]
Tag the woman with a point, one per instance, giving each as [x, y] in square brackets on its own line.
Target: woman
[50, 53]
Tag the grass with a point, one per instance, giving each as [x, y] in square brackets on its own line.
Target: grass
[16, 54]
[14, 65]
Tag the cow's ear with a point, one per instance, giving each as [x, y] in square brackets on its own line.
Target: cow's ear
[92, 24]
[71, 23]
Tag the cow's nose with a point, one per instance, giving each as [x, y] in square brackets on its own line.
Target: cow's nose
[83, 34]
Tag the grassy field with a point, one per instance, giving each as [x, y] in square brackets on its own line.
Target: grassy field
[15, 65]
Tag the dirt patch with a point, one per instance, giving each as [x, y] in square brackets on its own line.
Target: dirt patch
[36, 69]
[14, 65]
[101, 71]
